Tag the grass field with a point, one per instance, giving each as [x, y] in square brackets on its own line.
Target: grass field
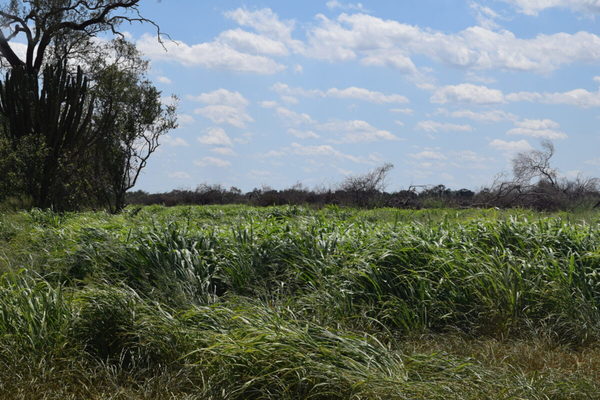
[235, 302]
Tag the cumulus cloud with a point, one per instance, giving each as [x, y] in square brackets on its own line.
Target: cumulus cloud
[164, 79]
[212, 162]
[252, 43]
[467, 93]
[293, 117]
[216, 136]
[168, 140]
[538, 128]
[179, 175]
[268, 24]
[533, 7]
[435, 126]
[220, 114]
[406, 111]
[428, 155]
[353, 93]
[335, 4]
[356, 131]
[356, 93]
[185, 119]
[303, 134]
[481, 116]
[328, 151]
[222, 97]
[485, 16]
[482, 95]
[224, 107]
[577, 97]
[224, 151]
[376, 41]
[212, 55]
[511, 147]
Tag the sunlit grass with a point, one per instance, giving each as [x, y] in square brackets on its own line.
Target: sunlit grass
[289, 302]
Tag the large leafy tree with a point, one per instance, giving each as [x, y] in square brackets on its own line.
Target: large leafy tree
[78, 117]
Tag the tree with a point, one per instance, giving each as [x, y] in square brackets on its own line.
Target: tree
[56, 120]
[131, 117]
[535, 164]
[66, 24]
[85, 106]
[365, 186]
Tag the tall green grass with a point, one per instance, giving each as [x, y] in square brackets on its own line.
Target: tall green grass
[286, 302]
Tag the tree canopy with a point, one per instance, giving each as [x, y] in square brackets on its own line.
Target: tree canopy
[79, 118]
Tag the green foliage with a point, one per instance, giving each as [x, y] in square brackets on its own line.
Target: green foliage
[287, 302]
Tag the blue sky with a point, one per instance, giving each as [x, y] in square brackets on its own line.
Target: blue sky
[280, 92]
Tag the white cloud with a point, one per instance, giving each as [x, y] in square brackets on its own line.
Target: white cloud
[224, 151]
[179, 175]
[212, 161]
[406, 111]
[268, 104]
[303, 134]
[428, 155]
[482, 95]
[224, 107]
[216, 136]
[482, 116]
[597, 79]
[510, 147]
[222, 97]
[335, 4]
[185, 119]
[533, 7]
[377, 41]
[285, 90]
[329, 151]
[470, 156]
[467, 93]
[486, 17]
[211, 55]
[164, 79]
[252, 43]
[168, 140]
[267, 23]
[538, 128]
[321, 151]
[435, 126]
[289, 99]
[387, 58]
[294, 118]
[220, 114]
[595, 162]
[356, 131]
[353, 93]
[577, 97]
[356, 93]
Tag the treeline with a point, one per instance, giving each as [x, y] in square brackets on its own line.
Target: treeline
[576, 194]
[534, 184]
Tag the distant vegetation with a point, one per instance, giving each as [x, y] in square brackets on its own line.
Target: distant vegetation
[535, 184]
[233, 302]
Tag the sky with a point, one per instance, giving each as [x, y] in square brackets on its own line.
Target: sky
[276, 93]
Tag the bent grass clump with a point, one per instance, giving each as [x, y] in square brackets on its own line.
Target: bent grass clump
[237, 303]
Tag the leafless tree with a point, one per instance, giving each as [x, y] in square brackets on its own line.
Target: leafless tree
[535, 164]
[364, 187]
